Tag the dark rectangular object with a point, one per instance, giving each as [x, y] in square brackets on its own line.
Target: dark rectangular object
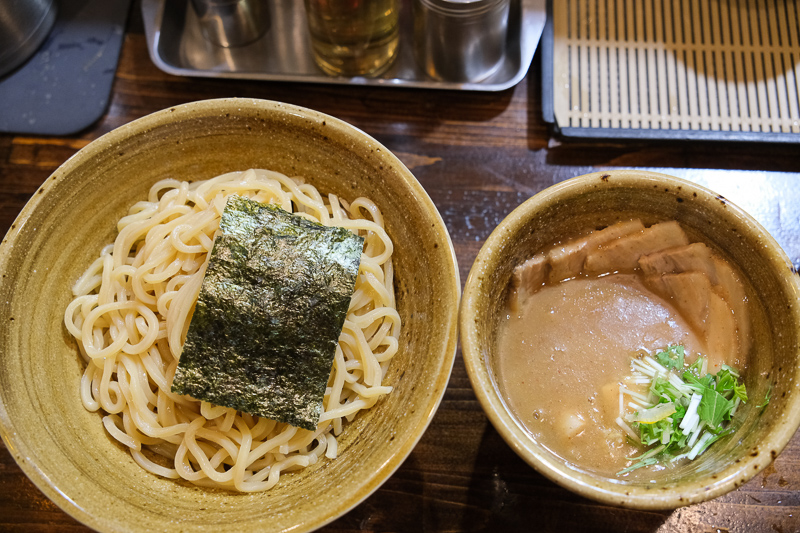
[269, 314]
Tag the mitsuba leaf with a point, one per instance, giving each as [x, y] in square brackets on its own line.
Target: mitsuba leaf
[725, 381]
[714, 408]
[767, 397]
[694, 369]
[269, 314]
[731, 370]
[672, 357]
[740, 391]
[644, 462]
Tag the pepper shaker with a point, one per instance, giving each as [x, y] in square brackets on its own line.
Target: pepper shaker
[460, 40]
[230, 23]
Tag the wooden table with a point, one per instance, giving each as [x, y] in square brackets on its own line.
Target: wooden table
[479, 156]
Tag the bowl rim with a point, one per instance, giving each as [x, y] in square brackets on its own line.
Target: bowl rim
[20, 450]
[636, 497]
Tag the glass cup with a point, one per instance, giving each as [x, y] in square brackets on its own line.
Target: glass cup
[353, 37]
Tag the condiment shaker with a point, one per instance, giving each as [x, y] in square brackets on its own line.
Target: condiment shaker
[24, 25]
[460, 40]
[229, 23]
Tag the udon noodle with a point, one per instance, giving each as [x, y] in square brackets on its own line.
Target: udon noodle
[133, 306]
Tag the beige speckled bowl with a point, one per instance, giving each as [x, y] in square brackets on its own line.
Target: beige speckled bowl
[65, 450]
[600, 199]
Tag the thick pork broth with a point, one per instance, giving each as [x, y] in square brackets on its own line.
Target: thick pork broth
[578, 312]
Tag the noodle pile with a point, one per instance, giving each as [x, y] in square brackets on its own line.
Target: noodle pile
[132, 310]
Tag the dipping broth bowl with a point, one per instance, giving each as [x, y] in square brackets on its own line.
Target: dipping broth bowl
[64, 449]
[594, 201]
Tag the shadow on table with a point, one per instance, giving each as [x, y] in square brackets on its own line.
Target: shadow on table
[506, 494]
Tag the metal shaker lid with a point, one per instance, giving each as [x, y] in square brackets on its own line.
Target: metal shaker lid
[24, 25]
[460, 8]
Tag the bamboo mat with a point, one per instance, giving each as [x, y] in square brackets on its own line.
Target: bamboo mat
[677, 65]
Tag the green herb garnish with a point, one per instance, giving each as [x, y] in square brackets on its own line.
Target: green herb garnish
[685, 409]
[714, 408]
[672, 357]
[766, 398]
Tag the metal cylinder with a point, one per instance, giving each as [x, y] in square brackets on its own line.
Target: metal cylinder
[460, 40]
[232, 22]
[24, 25]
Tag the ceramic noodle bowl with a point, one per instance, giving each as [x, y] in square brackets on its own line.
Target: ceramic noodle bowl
[65, 449]
[596, 201]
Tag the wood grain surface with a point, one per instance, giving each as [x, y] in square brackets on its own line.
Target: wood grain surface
[478, 155]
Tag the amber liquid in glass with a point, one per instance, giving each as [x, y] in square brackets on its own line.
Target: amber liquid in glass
[353, 37]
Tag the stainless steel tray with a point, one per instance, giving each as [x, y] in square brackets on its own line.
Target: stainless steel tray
[177, 47]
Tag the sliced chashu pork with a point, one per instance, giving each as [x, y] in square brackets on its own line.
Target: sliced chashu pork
[696, 256]
[727, 324]
[567, 261]
[707, 312]
[731, 289]
[730, 335]
[623, 254]
[703, 287]
[526, 279]
[563, 262]
[722, 342]
[689, 292]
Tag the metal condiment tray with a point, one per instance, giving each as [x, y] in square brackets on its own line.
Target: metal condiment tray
[178, 47]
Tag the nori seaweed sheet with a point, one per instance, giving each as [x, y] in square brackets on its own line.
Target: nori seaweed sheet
[269, 314]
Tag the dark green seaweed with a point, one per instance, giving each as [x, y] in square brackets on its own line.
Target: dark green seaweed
[269, 314]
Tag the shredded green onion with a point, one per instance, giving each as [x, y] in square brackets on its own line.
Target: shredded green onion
[685, 409]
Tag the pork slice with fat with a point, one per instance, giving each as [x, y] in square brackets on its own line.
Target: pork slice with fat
[696, 256]
[567, 261]
[722, 346]
[527, 278]
[732, 290]
[689, 292]
[623, 254]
